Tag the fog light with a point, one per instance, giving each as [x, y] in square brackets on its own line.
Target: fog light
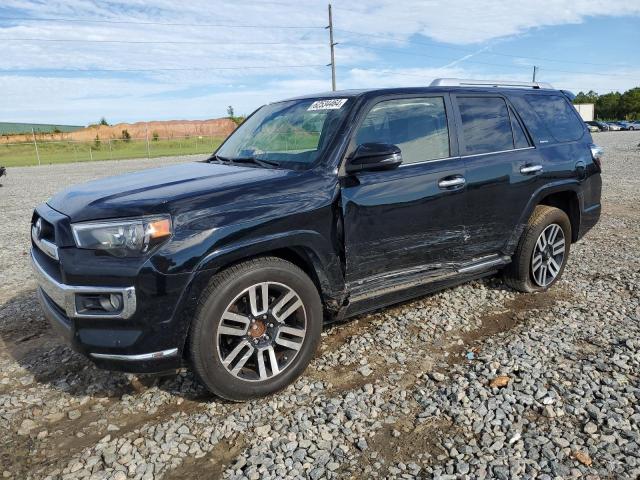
[111, 303]
[99, 303]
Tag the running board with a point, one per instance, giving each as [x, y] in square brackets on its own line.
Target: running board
[394, 281]
[484, 264]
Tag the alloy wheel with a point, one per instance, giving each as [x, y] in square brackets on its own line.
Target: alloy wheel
[261, 331]
[548, 255]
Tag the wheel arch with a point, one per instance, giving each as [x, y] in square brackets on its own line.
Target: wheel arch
[565, 195]
[305, 249]
[569, 203]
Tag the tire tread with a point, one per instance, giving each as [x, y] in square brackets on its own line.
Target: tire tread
[516, 274]
[217, 281]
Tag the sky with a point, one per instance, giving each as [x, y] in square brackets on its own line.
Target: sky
[75, 61]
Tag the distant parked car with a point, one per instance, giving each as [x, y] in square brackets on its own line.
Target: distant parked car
[635, 125]
[614, 127]
[623, 125]
[601, 125]
[592, 128]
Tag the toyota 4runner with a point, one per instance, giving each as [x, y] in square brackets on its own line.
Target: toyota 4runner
[316, 208]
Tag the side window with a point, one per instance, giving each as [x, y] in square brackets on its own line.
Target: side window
[519, 137]
[486, 126]
[558, 115]
[417, 125]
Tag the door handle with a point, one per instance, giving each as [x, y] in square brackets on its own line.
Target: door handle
[529, 169]
[450, 182]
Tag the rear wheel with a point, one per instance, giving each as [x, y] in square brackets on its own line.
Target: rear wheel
[542, 251]
[256, 329]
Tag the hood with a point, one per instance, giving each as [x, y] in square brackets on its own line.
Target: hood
[160, 190]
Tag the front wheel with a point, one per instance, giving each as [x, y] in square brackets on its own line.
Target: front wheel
[542, 251]
[256, 329]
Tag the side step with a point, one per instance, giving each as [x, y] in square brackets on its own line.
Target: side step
[484, 264]
[400, 280]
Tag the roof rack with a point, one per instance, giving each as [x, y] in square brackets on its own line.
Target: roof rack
[459, 82]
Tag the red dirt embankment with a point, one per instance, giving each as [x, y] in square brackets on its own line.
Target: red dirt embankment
[219, 127]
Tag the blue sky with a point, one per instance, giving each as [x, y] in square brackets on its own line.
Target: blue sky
[160, 60]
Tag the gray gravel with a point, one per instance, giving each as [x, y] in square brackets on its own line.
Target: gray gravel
[474, 382]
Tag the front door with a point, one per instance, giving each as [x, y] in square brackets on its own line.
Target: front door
[412, 217]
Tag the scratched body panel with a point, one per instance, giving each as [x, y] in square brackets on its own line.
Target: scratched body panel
[403, 216]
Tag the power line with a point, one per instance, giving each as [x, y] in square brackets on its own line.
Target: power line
[186, 69]
[417, 54]
[504, 65]
[430, 77]
[449, 27]
[381, 36]
[385, 37]
[398, 74]
[128, 22]
[159, 42]
[468, 50]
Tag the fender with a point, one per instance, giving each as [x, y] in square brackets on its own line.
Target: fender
[572, 185]
[308, 244]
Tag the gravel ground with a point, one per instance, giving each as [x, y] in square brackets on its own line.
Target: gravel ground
[474, 382]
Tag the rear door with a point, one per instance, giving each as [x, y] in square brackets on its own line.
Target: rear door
[413, 216]
[503, 169]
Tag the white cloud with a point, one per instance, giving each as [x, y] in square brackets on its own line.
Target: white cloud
[471, 21]
[81, 98]
[403, 77]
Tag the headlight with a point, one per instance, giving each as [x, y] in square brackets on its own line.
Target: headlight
[127, 237]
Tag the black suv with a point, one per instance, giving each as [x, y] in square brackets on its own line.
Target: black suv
[315, 209]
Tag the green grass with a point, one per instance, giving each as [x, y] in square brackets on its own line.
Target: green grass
[15, 155]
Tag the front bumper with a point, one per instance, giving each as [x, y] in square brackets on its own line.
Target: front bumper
[65, 295]
[118, 341]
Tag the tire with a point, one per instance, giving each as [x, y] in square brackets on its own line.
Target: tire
[522, 274]
[223, 321]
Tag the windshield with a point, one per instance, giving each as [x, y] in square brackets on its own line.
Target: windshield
[292, 134]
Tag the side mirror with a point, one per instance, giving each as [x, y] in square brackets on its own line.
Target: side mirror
[374, 156]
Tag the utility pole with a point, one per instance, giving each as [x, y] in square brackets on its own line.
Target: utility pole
[146, 134]
[332, 47]
[534, 72]
[36, 145]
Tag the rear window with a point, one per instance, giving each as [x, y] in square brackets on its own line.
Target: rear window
[558, 116]
[486, 125]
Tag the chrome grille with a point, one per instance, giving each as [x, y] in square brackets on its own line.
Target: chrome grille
[43, 236]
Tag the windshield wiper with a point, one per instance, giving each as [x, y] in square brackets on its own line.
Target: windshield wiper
[236, 160]
[218, 158]
[255, 161]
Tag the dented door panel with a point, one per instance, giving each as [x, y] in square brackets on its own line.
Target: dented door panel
[402, 219]
[497, 194]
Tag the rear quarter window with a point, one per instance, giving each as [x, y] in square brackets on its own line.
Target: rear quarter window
[558, 116]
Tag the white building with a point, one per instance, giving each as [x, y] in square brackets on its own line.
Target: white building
[586, 111]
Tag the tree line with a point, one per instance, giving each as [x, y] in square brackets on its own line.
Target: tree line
[613, 105]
